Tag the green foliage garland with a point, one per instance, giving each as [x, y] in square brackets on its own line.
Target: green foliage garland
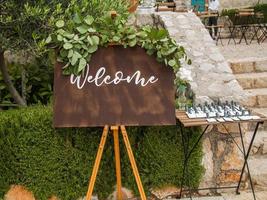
[79, 38]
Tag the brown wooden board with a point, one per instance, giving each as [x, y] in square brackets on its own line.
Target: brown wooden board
[124, 103]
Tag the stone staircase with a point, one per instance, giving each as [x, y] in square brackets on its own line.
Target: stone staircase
[252, 76]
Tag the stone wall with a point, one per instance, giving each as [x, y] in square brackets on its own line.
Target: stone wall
[210, 78]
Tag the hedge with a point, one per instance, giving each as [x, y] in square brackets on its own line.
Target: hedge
[257, 8]
[59, 161]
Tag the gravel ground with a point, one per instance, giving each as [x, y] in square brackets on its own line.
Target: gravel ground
[243, 51]
[260, 195]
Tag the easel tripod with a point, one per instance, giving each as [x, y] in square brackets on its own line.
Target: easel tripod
[115, 130]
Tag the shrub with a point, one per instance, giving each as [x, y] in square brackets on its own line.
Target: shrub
[258, 8]
[59, 161]
[263, 9]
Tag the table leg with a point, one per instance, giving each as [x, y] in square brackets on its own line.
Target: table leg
[232, 30]
[256, 30]
[187, 154]
[246, 155]
[243, 32]
[247, 166]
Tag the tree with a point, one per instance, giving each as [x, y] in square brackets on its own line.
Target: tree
[25, 25]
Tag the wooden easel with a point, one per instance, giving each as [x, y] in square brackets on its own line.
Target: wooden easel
[115, 130]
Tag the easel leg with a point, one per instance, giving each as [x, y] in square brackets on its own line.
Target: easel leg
[133, 163]
[115, 130]
[97, 163]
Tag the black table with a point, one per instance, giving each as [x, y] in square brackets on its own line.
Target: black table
[184, 122]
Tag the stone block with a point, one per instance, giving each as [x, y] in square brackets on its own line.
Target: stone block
[260, 142]
[207, 163]
[244, 67]
[144, 19]
[224, 67]
[228, 177]
[261, 66]
[262, 100]
[220, 148]
[164, 192]
[246, 83]
[230, 128]
[206, 66]
[217, 57]
[251, 101]
[233, 160]
[260, 82]
[258, 170]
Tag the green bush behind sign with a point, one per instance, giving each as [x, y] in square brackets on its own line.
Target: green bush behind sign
[59, 161]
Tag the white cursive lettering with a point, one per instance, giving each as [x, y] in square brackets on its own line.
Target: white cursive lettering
[102, 79]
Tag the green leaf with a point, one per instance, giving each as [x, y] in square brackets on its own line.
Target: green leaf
[60, 38]
[132, 43]
[159, 54]
[89, 19]
[66, 71]
[171, 50]
[67, 46]
[142, 34]
[82, 65]
[172, 63]
[48, 39]
[116, 39]
[150, 52]
[78, 46]
[76, 37]
[82, 29]
[161, 33]
[77, 19]
[189, 62]
[131, 36]
[92, 49]
[75, 58]
[91, 30]
[70, 53]
[84, 47]
[65, 66]
[61, 31]
[89, 39]
[60, 23]
[95, 39]
[68, 35]
[63, 53]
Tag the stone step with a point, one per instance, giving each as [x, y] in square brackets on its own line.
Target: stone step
[262, 111]
[252, 80]
[257, 98]
[263, 127]
[259, 147]
[249, 65]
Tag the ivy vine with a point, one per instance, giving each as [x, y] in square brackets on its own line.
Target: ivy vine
[79, 38]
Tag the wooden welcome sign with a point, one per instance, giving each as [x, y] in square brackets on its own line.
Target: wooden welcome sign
[119, 87]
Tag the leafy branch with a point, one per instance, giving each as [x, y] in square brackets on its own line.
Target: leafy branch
[79, 38]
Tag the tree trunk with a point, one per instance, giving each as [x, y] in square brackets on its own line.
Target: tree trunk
[24, 84]
[14, 93]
